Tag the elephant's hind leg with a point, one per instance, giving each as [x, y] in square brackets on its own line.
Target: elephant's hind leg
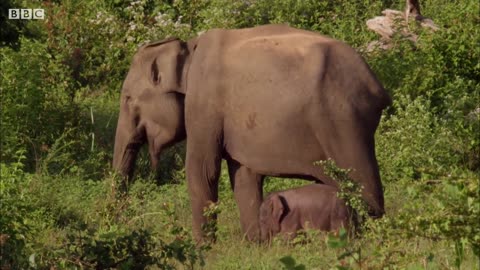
[248, 190]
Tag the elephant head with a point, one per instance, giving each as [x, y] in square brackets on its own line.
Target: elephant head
[270, 215]
[152, 103]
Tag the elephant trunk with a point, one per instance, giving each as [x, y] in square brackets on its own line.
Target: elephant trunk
[154, 150]
[127, 145]
[375, 202]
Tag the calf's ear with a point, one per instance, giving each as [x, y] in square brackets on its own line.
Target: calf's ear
[277, 208]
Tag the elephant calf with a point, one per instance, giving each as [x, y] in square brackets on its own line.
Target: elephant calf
[313, 206]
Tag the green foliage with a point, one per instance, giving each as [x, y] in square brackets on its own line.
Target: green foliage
[60, 81]
[426, 147]
[210, 227]
[15, 214]
[454, 211]
[121, 250]
[436, 91]
[48, 222]
[349, 190]
[342, 20]
[289, 263]
[351, 253]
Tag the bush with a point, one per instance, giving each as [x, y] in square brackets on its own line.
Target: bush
[120, 250]
[425, 147]
[20, 220]
[12, 219]
[48, 222]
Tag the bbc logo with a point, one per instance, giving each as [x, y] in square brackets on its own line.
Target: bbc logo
[26, 14]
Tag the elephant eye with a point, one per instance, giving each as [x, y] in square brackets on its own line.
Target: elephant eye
[127, 99]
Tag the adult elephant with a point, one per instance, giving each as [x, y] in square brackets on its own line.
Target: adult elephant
[270, 100]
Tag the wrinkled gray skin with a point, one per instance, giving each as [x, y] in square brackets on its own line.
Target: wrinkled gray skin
[269, 100]
[313, 206]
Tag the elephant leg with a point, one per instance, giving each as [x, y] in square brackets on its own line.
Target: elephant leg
[248, 191]
[203, 164]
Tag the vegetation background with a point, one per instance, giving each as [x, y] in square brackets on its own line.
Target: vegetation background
[60, 80]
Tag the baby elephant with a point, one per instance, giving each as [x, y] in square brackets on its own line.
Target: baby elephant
[313, 206]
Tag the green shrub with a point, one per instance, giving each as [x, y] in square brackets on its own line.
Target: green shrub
[453, 211]
[20, 220]
[13, 216]
[349, 191]
[32, 101]
[120, 250]
[327, 17]
[415, 143]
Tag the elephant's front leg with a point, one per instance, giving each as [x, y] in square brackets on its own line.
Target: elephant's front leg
[248, 189]
[203, 166]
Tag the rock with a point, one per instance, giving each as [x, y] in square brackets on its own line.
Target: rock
[396, 22]
[381, 25]
[377, 44]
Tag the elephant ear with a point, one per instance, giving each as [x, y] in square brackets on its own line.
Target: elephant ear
[155, 77]
[277, 208]
[160, 42]
[166, 62]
